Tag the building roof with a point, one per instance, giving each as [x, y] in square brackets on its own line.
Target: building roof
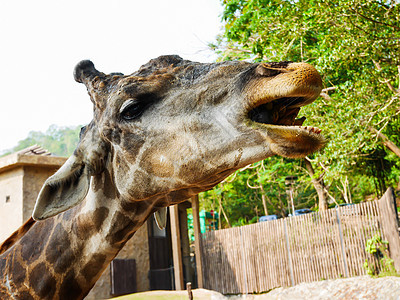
[34, 150]
[31, 156]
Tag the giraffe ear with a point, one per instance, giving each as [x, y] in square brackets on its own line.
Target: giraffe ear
[65, 189]
[70, 184]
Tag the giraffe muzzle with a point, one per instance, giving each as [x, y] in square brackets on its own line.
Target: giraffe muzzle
[274, 100]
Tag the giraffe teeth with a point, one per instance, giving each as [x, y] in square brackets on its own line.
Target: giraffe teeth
[312, 129]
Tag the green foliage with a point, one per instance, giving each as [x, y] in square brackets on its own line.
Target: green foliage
[60, 141]
[355, 44]
[378, 248]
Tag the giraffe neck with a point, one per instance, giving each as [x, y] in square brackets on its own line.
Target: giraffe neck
[62, 257]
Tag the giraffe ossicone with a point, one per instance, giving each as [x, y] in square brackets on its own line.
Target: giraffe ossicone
[159, 136]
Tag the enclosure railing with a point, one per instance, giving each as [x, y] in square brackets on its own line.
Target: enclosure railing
[323, 245]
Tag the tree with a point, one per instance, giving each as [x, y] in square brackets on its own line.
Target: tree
[60, 141]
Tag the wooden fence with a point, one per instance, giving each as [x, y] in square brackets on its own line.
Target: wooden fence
[324, 245]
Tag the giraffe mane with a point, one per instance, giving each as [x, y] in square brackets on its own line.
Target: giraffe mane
[16, 236]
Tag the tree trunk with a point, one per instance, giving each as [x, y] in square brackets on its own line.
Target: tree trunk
[388, 144]
[264, 202]
[318, 185]
[221, 208]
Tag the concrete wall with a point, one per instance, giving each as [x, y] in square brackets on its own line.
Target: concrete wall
[137, 248]
[21, 185]
[10, 212]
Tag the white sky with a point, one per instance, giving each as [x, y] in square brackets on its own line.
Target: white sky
[42, 41]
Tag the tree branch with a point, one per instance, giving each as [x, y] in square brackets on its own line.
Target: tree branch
[331, 88]
[374, 21]
[390, 145]
[325, 96]
[387, 81]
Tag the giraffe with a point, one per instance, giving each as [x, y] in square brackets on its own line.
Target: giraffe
[160, 135]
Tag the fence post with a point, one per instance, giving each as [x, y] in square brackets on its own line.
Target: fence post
[198, 246]
[346, 271]
[390, 225]
[176, 246]
[288, 252]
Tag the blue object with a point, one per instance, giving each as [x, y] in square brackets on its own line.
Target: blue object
[268, 218]
[344, 204]
[299, 212]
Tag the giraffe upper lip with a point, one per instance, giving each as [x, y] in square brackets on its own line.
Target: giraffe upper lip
[295, 85]
[277, 99]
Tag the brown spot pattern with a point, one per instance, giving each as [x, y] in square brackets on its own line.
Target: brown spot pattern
[18, 271]
[121, 228]
[42, 282]
[59, 252]
[25, 296]
[36, 245]
[132, 143]
[70, 288]
[92, 268]
[99, 216]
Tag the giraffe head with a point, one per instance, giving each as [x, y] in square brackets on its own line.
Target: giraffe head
[175, 128]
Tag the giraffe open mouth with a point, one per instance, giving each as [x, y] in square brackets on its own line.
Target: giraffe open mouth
[283, 112]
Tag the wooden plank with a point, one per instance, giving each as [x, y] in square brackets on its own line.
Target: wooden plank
[322, 240]
[176, 247]
[197, 241]
[329, 225]
[284, 262]
[288, 251]
[312, 257]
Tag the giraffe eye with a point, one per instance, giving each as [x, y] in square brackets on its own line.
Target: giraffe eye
[132, 109]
